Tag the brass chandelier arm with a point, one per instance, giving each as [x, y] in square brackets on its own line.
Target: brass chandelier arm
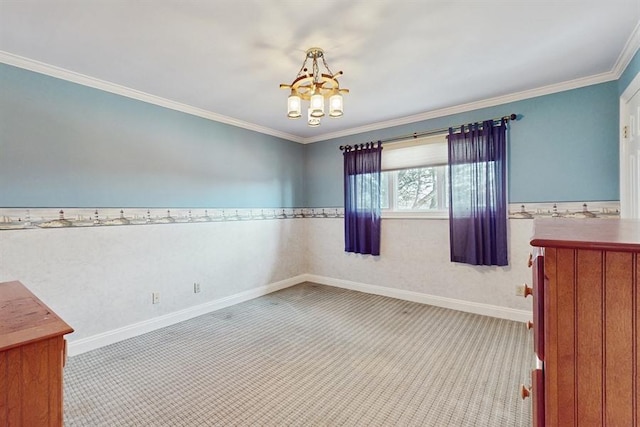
[326, 85]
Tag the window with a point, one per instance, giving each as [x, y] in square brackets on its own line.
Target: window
[476, 179]
[367, 187]
[416, 189]
[415, 177]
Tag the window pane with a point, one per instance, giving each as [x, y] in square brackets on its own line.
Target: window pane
[384, 191]
[467, 173]
[366, 188]
[417, 189]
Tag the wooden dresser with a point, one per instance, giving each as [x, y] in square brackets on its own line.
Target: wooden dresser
[32, 355]
[586, 322]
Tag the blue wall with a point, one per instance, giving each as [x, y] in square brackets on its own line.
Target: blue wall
[563, 147]
[63, 144]
[66, 145]
[629, 73]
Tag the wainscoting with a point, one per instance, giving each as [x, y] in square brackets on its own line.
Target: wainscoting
[415, 261]
[101, 279]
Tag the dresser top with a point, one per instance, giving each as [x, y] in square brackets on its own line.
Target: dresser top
[597, 234]
[24, 318]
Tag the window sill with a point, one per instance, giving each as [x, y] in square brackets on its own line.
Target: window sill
[415, 215]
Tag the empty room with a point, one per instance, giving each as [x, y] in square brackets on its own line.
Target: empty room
[334, 213]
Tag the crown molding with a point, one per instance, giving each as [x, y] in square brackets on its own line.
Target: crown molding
[81, 79]
[631, 47]
[626, 55]
[463, 108]
[629, 50]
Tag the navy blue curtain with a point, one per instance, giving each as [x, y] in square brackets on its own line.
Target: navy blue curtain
[362, 164]
[477, 197]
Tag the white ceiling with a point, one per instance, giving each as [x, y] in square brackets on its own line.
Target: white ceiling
[403, 60]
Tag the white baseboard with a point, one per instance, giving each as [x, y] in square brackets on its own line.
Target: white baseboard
[455, 304]
[110, 337]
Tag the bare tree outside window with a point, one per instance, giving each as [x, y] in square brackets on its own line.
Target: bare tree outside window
[416, 189]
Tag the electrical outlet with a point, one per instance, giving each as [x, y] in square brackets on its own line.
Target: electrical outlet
[196, 288]
[155, 298]
[520, 290]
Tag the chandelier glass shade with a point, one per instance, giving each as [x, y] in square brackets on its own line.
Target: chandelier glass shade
[315, 86]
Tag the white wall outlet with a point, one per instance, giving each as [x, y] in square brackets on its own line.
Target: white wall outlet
[155, 298]
[520, 290]
[196, 288]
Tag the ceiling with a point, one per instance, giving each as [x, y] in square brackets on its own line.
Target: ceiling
[403, 60]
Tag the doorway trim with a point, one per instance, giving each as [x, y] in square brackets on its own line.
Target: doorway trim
[625, 193]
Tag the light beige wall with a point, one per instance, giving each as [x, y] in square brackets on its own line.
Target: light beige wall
[99, 279]
[414, 257]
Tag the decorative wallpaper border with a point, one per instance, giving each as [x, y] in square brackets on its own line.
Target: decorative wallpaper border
[33, 218]
[605, 209]
[29, 218]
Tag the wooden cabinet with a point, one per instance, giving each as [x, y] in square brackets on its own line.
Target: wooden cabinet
[587, 303]
[32, 354]
[538, 302]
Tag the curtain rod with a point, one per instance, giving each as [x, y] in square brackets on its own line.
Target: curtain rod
[415, 135]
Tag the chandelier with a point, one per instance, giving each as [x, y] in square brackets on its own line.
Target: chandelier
[314, 87]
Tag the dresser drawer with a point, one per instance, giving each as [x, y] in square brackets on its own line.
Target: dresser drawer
[539, 286]
[537, 392]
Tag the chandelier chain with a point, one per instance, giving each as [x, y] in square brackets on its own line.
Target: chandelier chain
[316, 71]
[324, 62]
[304, 65]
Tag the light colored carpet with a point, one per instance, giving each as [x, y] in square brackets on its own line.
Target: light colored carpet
[309, 355]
